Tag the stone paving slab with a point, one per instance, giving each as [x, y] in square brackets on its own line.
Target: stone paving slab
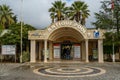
[25, 71]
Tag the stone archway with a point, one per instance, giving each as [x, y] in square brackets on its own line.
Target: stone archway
[67, 31]
[67, 24]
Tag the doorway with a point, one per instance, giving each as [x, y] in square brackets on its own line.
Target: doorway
[66, 50]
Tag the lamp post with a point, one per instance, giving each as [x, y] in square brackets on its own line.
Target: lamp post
[21, 24]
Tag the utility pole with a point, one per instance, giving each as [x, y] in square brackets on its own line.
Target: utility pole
[112, 8]
[21, 23]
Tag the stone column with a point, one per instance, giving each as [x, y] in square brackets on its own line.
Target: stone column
[33, 51]
[45, 50]
[51, 50]
[86, 50]
[100, 51]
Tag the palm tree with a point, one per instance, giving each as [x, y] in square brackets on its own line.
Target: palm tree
[57, 11]
[6, 16]
[79, 11]
[52, 14]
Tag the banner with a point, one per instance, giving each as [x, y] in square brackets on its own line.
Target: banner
[95, 53]
[56, 51]
[8, 49]
[76, 51]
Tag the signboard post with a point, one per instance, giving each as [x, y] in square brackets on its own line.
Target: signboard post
[9, 50]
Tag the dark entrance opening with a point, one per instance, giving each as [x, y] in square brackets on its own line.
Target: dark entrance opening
[66, 47]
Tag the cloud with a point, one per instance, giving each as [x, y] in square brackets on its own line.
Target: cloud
[35, 12]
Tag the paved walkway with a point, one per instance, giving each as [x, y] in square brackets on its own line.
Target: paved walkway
[60, 71]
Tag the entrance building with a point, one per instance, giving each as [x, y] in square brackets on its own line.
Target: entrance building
[66, 40]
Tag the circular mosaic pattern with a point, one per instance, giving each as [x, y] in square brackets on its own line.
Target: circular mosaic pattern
[69, 71]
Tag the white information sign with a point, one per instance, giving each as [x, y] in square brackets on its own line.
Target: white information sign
[95, 54]
[56, 51]
[77, 51]
[8, 49]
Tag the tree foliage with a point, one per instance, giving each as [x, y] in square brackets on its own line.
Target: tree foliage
[8, 22]
[57, 11]
[109, 18]
[77, 11]
[13, 35]
[7, 17]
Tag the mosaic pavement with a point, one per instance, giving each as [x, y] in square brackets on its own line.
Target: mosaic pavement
[60, 71]
[69, 71]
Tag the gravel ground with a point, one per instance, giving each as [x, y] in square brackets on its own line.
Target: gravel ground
[13, 71]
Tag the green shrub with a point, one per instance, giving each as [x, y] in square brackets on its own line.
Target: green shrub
[25, 56]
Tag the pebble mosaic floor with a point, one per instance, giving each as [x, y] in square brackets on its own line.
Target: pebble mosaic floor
[68, 71]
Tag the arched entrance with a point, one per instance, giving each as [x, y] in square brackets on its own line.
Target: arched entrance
[66, 43]
[66, 33]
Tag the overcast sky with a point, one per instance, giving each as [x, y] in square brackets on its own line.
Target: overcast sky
[35, 12]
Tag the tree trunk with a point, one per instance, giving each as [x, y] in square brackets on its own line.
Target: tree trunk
[52, 20]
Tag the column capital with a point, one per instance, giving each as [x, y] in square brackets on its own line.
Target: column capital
[45, 39]
[86, 39]
[100, 38]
